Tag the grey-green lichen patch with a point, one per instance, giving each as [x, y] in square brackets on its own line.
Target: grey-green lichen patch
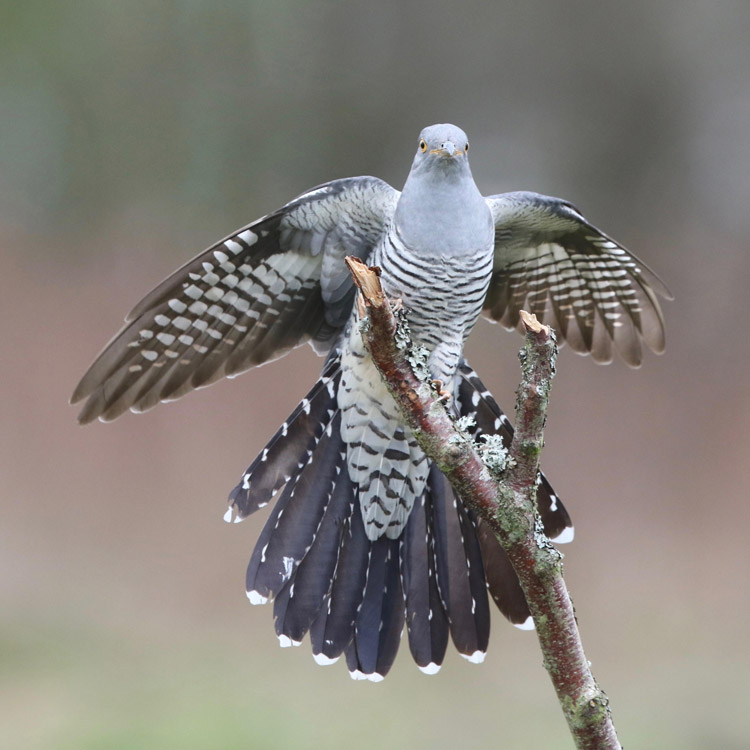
[403, 334]
[462, 425]
[542, 540]
[416, 356]
[494, 454]
[466, 422]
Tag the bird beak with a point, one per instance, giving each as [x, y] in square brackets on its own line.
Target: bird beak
[447, 149]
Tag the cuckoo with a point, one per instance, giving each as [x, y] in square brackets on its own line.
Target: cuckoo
[366, 536]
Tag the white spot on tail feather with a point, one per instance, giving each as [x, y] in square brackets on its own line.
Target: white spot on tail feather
[288, 563]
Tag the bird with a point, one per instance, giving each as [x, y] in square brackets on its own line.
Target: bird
[366, 538]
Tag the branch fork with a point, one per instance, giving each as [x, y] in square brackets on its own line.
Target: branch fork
[506, 501]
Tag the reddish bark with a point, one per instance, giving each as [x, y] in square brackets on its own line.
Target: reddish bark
[508, 505]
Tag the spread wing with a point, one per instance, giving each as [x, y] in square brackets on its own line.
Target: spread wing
[552, 262]
[265, 289]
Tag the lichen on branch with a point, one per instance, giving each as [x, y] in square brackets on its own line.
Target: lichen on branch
[501, 488]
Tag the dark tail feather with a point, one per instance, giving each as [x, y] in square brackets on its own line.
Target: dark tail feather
[304, 596]
[256, 559]
[475, 571]
[285, 455]
[460, 575]
[333, 629]
[426, 621]
[294, 527]
[475, 400]
[380, 618]
[502, 581]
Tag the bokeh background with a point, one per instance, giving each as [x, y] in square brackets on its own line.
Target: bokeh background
[134, 134]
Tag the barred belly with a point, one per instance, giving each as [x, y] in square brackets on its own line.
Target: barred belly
[444, 296]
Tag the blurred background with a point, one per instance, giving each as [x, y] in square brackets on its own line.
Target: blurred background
[134, 134]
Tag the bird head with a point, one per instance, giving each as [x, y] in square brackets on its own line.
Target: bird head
[441, 145]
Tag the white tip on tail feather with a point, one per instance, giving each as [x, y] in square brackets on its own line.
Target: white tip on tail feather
[256, 598]
[325, 661]
[373, 677]
[476, 658]
[565, 536]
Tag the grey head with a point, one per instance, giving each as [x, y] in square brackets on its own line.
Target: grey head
[442, 150]
[440, 205]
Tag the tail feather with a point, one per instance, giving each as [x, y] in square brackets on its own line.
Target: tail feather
[474, 399]
[475, 570]
[460, 579]
[296, 525]
[304, 596]
[502, 581]
[380, 617]
[426, 621]
[280, 461]
[258, 556]
[333, 629]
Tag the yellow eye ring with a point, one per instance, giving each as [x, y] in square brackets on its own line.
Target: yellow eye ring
[422, 145]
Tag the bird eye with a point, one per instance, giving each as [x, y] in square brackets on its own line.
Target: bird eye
[466, 148]
[422, 145]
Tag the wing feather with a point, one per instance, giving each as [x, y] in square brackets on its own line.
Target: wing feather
[595, 293]
[247, 299]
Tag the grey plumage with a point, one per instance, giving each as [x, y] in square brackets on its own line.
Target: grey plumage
[367, 535]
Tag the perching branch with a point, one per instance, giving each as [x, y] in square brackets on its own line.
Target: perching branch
[507, 505]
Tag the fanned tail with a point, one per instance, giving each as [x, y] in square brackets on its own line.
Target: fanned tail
[354, 595]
